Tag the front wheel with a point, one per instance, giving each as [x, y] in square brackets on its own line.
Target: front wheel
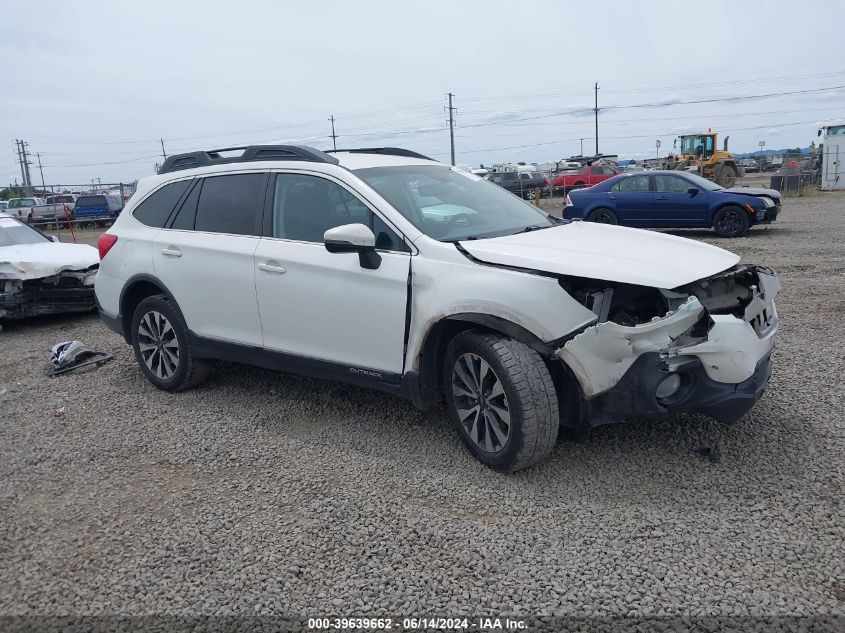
[160, 341]
[603, 216]
[730, 222]
[502, 400]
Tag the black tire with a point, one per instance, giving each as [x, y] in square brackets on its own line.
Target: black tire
[527, 395]
[726, 176]
[602, 216]
[731, 221]
[169, 375]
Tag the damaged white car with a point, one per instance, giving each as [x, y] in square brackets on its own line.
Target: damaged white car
[387, 269]
[42, 276]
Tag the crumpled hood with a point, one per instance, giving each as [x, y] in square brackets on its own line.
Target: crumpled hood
[755, 191]
[609, 253]
[33, 261]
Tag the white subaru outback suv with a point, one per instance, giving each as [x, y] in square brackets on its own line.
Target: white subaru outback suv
[386, 269]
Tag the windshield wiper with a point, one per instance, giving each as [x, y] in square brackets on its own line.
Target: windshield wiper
[533, 227]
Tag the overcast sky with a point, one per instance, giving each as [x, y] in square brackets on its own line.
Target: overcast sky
[92, 86]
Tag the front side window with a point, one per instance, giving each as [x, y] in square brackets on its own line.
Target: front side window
[156, 208]
[230, 204]
[632, 183]
[670, 184]
[305, 207]
[449, 204]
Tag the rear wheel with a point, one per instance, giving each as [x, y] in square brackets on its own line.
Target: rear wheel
[160, 341]
[531, 194]
[726, 176]
[502, 400]
[730, 222]
[603, 216]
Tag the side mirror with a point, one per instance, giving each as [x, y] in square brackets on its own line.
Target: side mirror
[53, 238]
[692, 191]
[354, 238]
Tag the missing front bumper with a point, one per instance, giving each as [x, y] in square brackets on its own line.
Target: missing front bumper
[634, 397]
[46, 300]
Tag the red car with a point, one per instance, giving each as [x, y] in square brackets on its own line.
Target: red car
[584, 177]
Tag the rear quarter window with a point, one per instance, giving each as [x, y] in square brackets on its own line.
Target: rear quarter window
[156, 208]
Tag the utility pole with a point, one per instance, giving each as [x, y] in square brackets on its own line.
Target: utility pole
[20, 161]
[41, 169]
[582, 146]
[163, 153]
[597, 118]
[658, 148]
[333, 136]
[452, 127]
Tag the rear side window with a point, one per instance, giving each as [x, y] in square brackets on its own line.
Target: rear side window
[632, 183]
[155, 210]
[230, 204]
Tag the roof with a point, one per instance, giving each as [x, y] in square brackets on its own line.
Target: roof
[361, 160]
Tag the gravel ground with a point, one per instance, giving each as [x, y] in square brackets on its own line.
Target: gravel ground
[268, 493]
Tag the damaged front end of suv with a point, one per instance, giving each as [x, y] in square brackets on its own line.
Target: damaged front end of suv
[704, 346]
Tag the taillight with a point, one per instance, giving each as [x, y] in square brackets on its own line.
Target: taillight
[545, 182]
[568, 201]
[105, 242]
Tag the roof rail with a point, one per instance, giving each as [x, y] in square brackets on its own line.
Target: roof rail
[386, 151]
[249, 153]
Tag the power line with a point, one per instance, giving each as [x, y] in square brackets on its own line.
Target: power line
[655, 105]
[644, 135]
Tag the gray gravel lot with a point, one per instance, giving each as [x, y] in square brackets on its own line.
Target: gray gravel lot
[268, 493]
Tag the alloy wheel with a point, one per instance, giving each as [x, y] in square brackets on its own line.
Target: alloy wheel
[158, 345]
[729, 222]
[480, 401]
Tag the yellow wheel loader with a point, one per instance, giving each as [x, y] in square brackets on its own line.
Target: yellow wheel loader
[699, 153]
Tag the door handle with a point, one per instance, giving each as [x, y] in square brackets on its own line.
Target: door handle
[613, 197]
[662, 198]
[272, 268]
[171, 252]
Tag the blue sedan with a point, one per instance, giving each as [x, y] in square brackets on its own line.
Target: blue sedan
[671, 199]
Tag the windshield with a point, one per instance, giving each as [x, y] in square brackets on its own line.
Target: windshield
[449, 204]
[13, 233]
[703, 183]
[18, 203]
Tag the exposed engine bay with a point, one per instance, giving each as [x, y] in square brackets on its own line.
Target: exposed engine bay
[728, 292]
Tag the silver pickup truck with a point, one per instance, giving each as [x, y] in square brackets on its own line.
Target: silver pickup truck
[54, 209]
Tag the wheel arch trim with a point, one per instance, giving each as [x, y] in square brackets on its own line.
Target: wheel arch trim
[133, 282]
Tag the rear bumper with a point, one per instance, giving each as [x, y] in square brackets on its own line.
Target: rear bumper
[112, 321]
[633, 397]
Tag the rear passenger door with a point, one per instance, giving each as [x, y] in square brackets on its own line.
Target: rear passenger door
[326, 306]
[632, 200]
[205, 256]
